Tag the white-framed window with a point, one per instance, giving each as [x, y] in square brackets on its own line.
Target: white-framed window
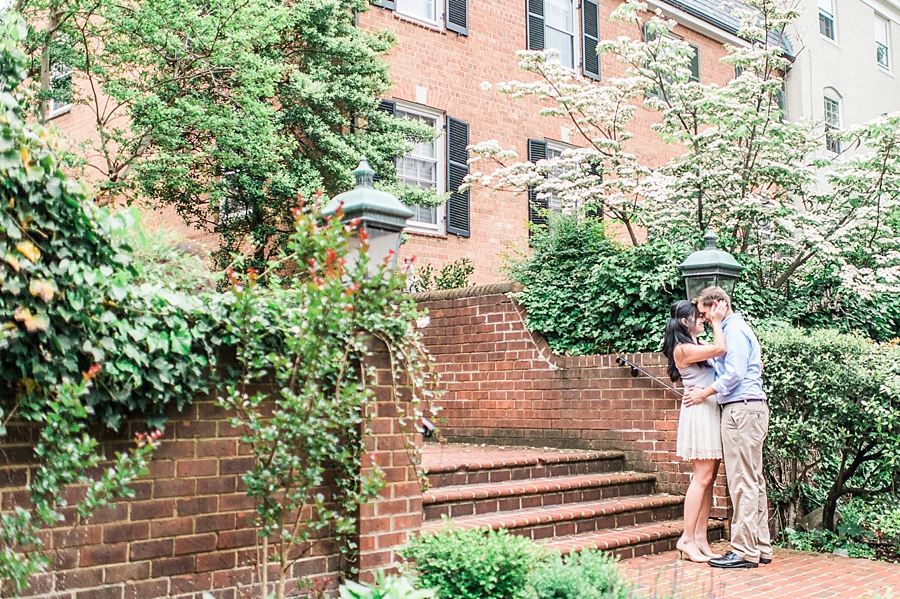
[826, 18]
[832, 123]
[230, 205]
[882, 42]
[559, 29]
[423, 10]
[60, 101]
[555, 150]
[424, 166]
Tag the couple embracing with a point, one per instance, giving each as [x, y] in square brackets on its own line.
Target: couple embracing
[723, 416]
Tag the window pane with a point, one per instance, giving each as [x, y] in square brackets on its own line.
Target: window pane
[833, 113]
[827, 6]
[423, 9]
[564, 43]
[826, 26]
[560, 14]
[883, 55]
[881, 31]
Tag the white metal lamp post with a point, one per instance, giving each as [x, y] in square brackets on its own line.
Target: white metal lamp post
[381, 214]
[710, 266]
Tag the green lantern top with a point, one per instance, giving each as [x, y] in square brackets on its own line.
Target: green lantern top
[364, 201]
[711, 258]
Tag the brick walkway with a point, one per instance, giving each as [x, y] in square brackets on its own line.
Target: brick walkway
[792, 575]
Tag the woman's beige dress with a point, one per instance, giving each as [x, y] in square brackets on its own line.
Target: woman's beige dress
[699, 433]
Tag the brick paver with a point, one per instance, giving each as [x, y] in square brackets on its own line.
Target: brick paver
[792, 575]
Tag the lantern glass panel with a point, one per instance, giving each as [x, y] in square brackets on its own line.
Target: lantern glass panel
[381, 242]
[727, 283]
[697, 284]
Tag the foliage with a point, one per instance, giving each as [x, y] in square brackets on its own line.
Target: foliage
[70, 297]
[225, 110]
[319, 324]
[385, 587]
[472, 564]
[588, 574]
[826, 541]
[452, 276]
[740, 168]
[67, 453]
[161, 257]
[835, 402]
[588, 293]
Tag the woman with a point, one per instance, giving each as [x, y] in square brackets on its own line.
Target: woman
[699, 436]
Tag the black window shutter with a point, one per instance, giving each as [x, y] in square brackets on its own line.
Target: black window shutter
[590, 22]
[537, 208]
[594, 209]
[738, 70]
[695, 63]
[649, 37]
[457, 169]
[391, 4]
[458, 16]
[389, 107]
[535, 24]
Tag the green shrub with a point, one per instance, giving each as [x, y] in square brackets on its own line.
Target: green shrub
[385, 587]
[472, 564]
[835, 418]
[824, 541]
[451, 276]
[585, 575]
[587, 293]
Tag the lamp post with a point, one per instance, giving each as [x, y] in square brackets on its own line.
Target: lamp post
[382, 215]
[710, 266]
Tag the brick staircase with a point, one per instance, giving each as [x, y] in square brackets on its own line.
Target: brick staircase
[569, 500]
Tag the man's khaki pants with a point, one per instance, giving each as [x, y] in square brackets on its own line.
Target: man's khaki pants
[744, 429]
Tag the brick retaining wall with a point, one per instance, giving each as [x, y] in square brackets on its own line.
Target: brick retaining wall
[188, 528]
[504, 385]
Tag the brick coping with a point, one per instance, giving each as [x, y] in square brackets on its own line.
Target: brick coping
[464, 292]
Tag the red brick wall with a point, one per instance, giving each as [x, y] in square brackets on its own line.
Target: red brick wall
[503, 385]
[188, 528]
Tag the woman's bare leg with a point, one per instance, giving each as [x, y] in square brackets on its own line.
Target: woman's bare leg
[700, 532]
[696, 504]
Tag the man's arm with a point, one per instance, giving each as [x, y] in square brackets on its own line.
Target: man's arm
[737, 360]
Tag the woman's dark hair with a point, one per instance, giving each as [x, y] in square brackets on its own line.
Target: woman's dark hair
[677, 333]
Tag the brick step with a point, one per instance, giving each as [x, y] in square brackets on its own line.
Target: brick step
[633, 541]
[575, 518]
[454, 466]
[471, 500]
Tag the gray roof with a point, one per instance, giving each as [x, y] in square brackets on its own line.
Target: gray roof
[722, 14]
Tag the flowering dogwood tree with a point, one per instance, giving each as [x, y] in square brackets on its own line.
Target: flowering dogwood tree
[788, 213]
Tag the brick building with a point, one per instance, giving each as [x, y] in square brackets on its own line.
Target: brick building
[444, 53]
[442, 57]
[842, 74]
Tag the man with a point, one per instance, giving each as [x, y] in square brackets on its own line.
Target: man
[745, 423]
